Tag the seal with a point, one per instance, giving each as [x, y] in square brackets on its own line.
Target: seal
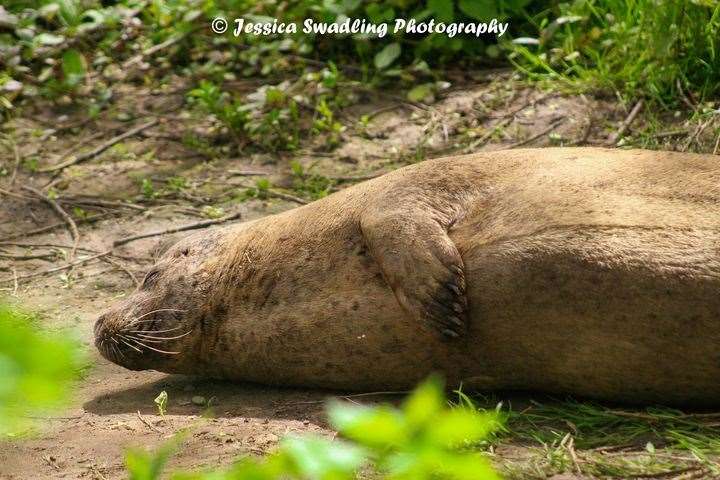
[583, 271]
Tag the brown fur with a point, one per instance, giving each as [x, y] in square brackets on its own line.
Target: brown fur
[589, 271]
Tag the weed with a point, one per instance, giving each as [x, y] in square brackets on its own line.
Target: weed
[312, 185]
[673, 46]
[147, 189]
[423, 440]
[161, 401]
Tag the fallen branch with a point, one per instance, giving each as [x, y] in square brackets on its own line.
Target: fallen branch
[14, 195]
[552, 127]
[48, 228]
[700, 128]
[148, 424]
[99, 149]
[154, 49]
[285, 196]
[56, 269]
[670, 133]
[192, 226]
[77, 146]
[122, 267]
[247, 173]
[43, 256]
[489, 133]
[612, 141]
[358, 178]
[72, 226]
[96, 202]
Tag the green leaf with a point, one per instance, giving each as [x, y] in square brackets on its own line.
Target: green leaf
[319, 458]
[385, 57]
[374, 427]
[420, 92]
[443, 9]
[161, 402]
[454, 427]
[73, 67]
[36, 369]
[425, 402]
[479, 9]
[144, 465]
[469, 466]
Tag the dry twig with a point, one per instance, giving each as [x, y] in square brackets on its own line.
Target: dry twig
[613, 140]
[552, 127]
[57, 269]
[48, 228]
[122, 267]
[99, 149]
[148, 424]
[167, 231]
[72, 226]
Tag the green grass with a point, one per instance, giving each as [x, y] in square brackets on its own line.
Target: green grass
[571, 436]
[665, 50]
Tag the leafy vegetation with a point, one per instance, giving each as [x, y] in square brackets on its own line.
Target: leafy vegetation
[37, 369]
[75, 51]
[425, 439]
[665, 50]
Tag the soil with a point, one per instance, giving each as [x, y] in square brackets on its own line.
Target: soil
[113, 408]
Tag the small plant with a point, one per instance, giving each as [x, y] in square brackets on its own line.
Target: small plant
[261, 189]
[147, 189]
[425, 439]
[211, 211]
[177, 184]
[326, 123]
[312, 185]
[161, 401]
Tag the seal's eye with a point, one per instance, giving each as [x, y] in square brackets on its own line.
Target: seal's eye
[185, 252]
[150, 278]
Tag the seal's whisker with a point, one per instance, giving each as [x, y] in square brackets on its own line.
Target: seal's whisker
[135, 340]
[135, 320]
[151, 337]
[116, 350]
[131, 346]
[152, 331]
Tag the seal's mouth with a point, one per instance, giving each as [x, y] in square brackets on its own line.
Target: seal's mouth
[146, 341]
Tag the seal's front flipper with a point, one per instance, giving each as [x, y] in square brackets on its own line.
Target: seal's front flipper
[421, 264]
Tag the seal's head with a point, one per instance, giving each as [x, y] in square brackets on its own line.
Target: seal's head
[161, 324]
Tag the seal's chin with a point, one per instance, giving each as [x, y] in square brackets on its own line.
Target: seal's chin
[156, 344]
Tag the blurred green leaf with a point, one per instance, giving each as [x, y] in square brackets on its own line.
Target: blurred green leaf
[385, 57]
[37, 369]
[380, 426]
[420, 92]
[444, 10]
[321, 459]
[482, 10]
[73, 67]
[425, 402]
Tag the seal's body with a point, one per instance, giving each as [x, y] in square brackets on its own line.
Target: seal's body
[583, 271]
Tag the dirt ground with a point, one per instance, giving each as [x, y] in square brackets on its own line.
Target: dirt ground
[113, 408]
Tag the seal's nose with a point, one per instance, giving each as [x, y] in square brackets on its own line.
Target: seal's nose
[99, 323]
